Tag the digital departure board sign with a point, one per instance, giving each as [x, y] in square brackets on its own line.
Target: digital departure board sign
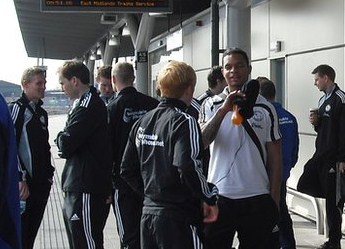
[102, 6]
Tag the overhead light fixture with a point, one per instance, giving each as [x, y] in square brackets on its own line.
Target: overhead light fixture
[99, 52]
[94, 56]
[125, 31]
[159, 14]
[114, 40]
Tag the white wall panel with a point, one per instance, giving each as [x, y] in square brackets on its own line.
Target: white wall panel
[307, 24]
[260, 32]
[260, 68]
[201, 83]
[188, 48]
[301, 92]
[201, 47]
[307, 148]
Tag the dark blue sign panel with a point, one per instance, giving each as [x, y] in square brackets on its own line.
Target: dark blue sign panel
[142, 56]
[127, 6]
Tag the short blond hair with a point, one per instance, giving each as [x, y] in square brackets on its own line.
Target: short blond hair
[30, 72]
[174, 78]
[124, 71]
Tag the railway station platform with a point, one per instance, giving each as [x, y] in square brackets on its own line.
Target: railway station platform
[52, 234]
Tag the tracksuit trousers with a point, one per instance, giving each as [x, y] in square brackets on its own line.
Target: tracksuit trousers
[85, 216]
[255, 219]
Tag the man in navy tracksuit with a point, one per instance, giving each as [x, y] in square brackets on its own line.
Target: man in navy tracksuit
[10, 237]
[126, 108]
[85, 144]
[36, 176]
[290, 144]
[319, 176]
[162, 162]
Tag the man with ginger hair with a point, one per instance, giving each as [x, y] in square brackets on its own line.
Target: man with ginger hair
[162, 162]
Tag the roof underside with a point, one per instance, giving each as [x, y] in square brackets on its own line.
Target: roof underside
[72, 35]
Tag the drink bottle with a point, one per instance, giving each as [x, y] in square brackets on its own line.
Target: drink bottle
[236, 117]
[22, 206]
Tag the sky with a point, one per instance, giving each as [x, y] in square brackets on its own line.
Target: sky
[15, 59]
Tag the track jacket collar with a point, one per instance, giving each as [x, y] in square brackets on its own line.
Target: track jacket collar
[25, 101]
[127, 90]
[173, 103]
[330, 90]
[76, 102]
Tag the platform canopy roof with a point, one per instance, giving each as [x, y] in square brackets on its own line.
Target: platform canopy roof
[61, 35]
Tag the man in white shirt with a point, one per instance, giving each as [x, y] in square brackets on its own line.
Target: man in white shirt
[245, 168]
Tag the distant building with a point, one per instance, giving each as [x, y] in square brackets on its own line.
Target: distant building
[10, 91]
[55, 101]
[56, 98]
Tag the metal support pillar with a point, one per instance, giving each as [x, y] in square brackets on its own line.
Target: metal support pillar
[214, 33]
[110, 53]
[141, 46]
[91, 65]
[238, 17]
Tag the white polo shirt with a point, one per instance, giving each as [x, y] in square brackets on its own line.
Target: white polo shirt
[236, 166]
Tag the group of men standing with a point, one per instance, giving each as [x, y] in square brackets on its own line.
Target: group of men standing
[145, 158]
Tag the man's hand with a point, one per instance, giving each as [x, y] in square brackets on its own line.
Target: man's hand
[23, 190]
[229, 101]
[313, 117]
[210, 213]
